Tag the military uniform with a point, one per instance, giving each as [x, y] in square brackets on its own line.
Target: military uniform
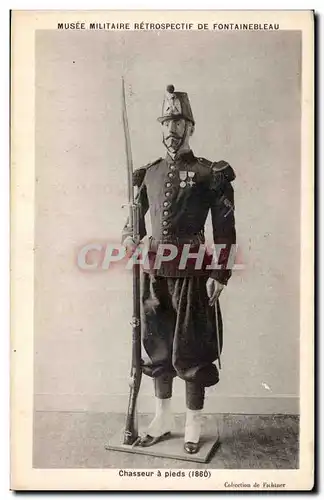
[179, 327]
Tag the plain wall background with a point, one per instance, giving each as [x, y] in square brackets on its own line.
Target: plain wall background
[244, 89]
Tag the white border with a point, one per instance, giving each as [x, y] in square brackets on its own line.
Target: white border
[66, 473]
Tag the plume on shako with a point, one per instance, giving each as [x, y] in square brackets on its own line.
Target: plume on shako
[176, 105]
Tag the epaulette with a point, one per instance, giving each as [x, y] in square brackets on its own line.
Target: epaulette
[222, 171]
[152, 163]
[139, 174]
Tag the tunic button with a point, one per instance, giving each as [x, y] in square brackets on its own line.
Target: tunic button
[165, 212]
[167, 193]
[165, 231]
[172, 167]
[170, 174]
[168, 184]
[165, 203]
[164, 223]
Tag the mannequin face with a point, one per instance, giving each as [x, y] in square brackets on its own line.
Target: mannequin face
[174, 132]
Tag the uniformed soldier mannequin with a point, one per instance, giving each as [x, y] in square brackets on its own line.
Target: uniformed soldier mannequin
[180, 298]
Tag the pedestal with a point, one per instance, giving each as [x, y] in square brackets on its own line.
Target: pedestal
[169, 448]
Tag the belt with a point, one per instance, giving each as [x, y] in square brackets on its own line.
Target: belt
[196, 239]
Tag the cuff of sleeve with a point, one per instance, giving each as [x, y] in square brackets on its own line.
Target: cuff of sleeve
[221, 275]
[125, 235]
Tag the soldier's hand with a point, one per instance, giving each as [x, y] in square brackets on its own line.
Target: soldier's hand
[214, 289]
[130, 245]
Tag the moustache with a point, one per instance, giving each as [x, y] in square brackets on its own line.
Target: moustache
[172, 136]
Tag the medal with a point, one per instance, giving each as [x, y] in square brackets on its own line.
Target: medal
[191, 175]
[183, 176]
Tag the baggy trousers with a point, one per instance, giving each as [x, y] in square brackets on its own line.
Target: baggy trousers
[179, 335]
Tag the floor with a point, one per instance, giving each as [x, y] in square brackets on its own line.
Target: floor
[76, 440]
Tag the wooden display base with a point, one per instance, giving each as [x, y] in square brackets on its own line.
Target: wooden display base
[169, 448]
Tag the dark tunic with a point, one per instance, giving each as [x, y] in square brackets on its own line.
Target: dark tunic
[179, 327]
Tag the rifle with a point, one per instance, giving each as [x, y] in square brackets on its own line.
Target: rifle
[131, 428]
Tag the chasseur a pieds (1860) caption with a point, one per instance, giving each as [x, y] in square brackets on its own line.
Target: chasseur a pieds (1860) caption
[182, 330]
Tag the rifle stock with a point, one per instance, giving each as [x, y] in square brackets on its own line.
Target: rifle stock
[131, 429]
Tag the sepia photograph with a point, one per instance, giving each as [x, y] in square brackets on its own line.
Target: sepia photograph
[168, 232]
